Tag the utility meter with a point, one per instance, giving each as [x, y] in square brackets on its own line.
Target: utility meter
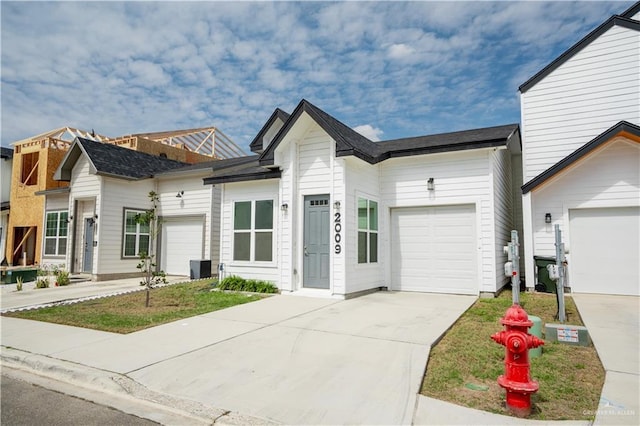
[554, 274]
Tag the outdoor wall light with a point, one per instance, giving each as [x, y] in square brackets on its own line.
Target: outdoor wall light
[336, 205]
[69, 219]
[284, 207]
[179, 194]
[547, 218]
[95, 215]
[431, 185]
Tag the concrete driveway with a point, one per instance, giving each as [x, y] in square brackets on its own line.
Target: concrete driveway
[334, 362]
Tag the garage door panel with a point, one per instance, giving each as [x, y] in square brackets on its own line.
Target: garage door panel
[604, 250]
[433, 249]
[182, 241]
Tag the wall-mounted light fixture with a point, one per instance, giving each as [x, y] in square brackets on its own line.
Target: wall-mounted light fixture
[95, 215]
[284, 207]
[179, 194]
[69, 219]
[547, 218]
[431, 184]
[336, 205]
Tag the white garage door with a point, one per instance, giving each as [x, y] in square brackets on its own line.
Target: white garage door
[433, 249]
[181, 242]
[605, 250]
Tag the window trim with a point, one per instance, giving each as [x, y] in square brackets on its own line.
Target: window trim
[56, 237]
[368, 231]
[252, 231]
[137, 233]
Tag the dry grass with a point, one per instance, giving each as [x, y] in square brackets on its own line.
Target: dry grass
[127, 313]
[570, 377]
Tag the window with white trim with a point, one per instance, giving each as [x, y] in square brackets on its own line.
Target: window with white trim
[55, 233]
[367, 231]
[253, 231]
[136, 235]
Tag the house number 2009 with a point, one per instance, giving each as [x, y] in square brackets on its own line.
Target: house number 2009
[337, 227]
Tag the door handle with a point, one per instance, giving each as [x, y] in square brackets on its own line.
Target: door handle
[306, 253]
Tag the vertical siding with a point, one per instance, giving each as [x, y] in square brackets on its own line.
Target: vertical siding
[249, 191]
[460, 178]
[286, 242]
[503, 209]
[116, 195]
[363, 180]
[197, 200]
[608, 178]
[586, 95]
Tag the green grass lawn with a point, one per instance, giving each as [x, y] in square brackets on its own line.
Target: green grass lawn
[127, 313]
[570, 377]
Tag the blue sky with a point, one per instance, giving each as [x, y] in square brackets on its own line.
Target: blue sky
[389, 69]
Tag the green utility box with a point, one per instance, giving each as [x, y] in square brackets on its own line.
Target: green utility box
[544, 283]
[10, 276]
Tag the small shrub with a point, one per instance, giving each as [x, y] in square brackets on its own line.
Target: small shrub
[42, 282]
[62, 277]
[19, 282]
[236, 283]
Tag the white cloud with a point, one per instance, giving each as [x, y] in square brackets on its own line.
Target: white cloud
[368, 131]
[400, 51]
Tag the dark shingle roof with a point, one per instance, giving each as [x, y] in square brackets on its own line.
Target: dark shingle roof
[112, 160]
[348, 141]
[606, 136]
[256, 144]
[623, 20]
[6, 152]
[237, 171]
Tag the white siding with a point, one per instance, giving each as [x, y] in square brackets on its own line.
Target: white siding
[460, 178]
[116, 195]
[503, 209]
[592, 91]
[5, 178]
[607, 178]
[197, 200]
[55, 202]
[249, 191]
[363, 181]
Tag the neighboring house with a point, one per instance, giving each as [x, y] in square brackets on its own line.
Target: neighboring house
[323, 210]
[108, 187]
[6, 161]
[581, 159]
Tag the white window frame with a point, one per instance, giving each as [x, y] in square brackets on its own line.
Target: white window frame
[368, 231]
[137, 234]
[58, 236]
[252, 231]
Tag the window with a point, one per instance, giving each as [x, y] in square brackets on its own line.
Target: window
[55, 233]
[136, 235]
[253, 231]
[367, 231]
[29, 171]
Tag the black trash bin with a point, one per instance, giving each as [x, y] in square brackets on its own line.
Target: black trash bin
[544, 283]
[200, 269]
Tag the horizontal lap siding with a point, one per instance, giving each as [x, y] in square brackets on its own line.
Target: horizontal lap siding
[247, 191]
[608, 178]
[460, 178]
[586, 95]
[116, 195]
[363, 181]
[196, 201]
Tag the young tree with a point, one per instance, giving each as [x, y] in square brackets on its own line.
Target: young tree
[150, 275]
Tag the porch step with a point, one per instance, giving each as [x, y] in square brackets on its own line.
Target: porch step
[79, 278]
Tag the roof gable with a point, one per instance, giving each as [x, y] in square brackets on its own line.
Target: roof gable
[111, 160]
[278, 114]
[348, 141]
[616, 20]
[622, 128]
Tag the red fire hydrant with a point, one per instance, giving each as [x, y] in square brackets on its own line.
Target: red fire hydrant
[517, 342]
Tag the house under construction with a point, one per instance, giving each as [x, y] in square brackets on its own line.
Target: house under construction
[36, 159]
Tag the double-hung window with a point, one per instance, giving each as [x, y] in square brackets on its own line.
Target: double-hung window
[55, 233]
[367, 231]
[253, 231]
[136, 235]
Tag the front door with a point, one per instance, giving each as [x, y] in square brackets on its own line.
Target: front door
[87, 258]
[316, 242]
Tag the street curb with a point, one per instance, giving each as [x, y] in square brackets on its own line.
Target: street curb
[115, 390]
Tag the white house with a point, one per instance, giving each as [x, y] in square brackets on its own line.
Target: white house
[581, 159]
[109, 186]
[323, 210]
[6, 163]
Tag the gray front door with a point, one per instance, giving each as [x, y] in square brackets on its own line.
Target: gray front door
[316, 241]
[87, 262]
